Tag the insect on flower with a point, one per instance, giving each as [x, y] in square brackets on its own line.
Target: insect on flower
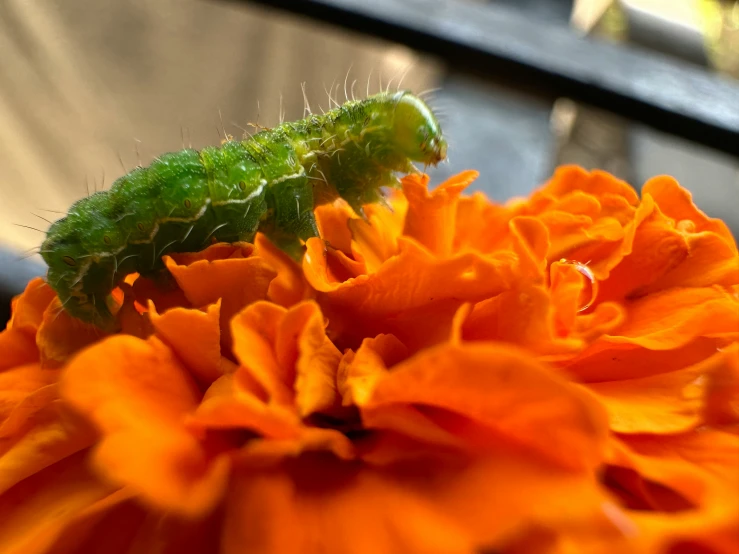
[269, 182]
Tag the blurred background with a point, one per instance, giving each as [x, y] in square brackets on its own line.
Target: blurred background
[90, 88]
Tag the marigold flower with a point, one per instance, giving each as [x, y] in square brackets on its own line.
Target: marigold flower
[555, 374]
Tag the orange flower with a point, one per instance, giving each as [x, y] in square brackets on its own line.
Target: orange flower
[556, 374]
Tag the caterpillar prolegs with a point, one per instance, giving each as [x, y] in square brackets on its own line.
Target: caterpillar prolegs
[269, 182]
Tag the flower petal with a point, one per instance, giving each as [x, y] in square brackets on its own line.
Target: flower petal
[333, 508]
[531, 244]
[119, 525]
[220, 272]
[28, 308]
[372, 245]
[607, 361]
[18, 348]
[711, 260]
[261, 453]
[502, 390]
[163, 291]
[722, 406]
[17, 383]
[289, 286]
[288, 353]
[675, 317]
[677, 203]
[137, 394]
[228, 406]
[656, 249]
[360, 371]
[445, 508]
[698, 465]
[35, 512]
[671, 402]
[571, 178]
[60, 335]
[714, 453]
[195, 336]
[523, 317]
[256, 331]
[403, 296]
[431, 216]
[481, 225]
[316, 368]
[333, 224]
[39, 432]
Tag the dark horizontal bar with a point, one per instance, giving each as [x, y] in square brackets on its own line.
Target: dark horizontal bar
[506, 46]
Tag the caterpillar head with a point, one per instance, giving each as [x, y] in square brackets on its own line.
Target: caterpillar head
[417, 132]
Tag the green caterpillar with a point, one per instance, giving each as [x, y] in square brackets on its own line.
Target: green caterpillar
[270, 182]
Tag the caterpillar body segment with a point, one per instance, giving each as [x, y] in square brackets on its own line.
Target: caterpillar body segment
[270, 182]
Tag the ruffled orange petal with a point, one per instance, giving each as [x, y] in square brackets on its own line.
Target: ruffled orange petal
[112, 524]
[17, 383]
[229, 405]
[694, 469]
[569, 178]
[606, 361]
[656, 249]
[359, 372]
[289, 355]
[371, 246]
[671, 402]
[333, 225]
[722, 406]
[35, 513]
[261, 453]
[164, 292]
[289, 286]
[569, 294]
[462, 507]
[220, 272]
[677, 203]
[316, 368]
[18, 348]
[117, 524]
[481, 225]
[711, 260]
[657, 486]
[373, 239]
[132, 315]
[589, 217]
[279, 432]
[502, 394]
[195, 336]
[60, 335]
[526, 317]
[675, 317]
[28, 308]
[138, 394]
[413, 286]
[428, 433]
[432, 215]
[332, 508]
[711, 452]
[530, 240]
[38, 431]
[714, 535]
[573, 289]
[256, 331]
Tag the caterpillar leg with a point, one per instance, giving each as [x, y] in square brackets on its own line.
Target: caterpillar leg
[291, 221]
